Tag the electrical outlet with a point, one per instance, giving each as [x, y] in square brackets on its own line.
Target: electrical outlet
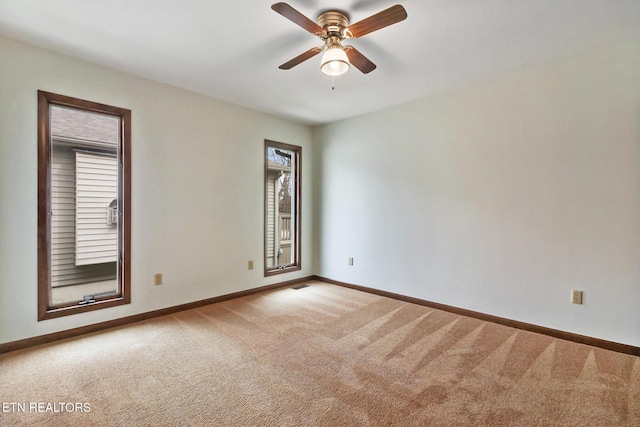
[250, 265]
[350, 260]
[157, 279]
[576, 296]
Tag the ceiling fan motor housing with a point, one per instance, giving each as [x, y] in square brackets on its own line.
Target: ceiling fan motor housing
[334, 23]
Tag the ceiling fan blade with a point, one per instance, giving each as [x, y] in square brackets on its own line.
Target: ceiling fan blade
[359, 61]
[380, 20]
[296, 17]
[301, 58]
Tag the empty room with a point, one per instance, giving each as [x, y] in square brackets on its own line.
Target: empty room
[320, 213]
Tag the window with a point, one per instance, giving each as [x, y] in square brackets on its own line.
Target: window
[84, 170]
[282, 195]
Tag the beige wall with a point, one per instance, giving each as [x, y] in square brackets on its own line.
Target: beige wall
[197, 196]
[499, 197]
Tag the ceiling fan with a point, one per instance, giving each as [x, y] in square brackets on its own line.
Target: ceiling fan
[332, 28]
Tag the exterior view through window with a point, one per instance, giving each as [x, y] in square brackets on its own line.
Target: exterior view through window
[83, 205]
[282, 207]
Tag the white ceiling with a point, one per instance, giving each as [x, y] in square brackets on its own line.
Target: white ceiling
[231, 50]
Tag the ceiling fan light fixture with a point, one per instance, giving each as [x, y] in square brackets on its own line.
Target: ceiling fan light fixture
[334, 62]
[332, 27]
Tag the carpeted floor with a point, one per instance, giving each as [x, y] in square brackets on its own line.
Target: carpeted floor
[323, 355]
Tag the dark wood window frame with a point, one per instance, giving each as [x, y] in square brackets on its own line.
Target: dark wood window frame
[297, 188]
[45, 309]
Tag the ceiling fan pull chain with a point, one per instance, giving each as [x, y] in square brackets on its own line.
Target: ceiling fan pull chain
[333, 83]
